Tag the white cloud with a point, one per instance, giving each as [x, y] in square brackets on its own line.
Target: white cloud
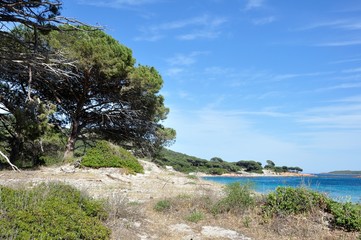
[339, 86]
[185, 59]
[203, 26]
[116, 3]
[172, 72]
[346, 115]
[206, 34]
[252, 4]
[356, 99]
[346, 61]
[264, 21]
[353, 70]
[345, 24]
[339, 43]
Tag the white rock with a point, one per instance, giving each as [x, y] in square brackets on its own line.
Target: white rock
[218, 232]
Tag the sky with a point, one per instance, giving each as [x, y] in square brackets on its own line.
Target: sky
[256, 80]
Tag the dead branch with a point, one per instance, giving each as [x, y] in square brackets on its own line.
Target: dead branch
[15, 168]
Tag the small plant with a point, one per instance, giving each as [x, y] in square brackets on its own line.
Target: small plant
[162, 206]
[238, 199]
[246, 221]
[193, 177]
[105, 154]
[195, 217]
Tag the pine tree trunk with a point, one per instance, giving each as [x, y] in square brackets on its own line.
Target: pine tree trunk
[70, 146]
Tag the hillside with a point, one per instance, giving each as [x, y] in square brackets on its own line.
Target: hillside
[216, 166]
[185, 163]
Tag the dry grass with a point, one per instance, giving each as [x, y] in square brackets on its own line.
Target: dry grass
[250, 223]
[125, 218]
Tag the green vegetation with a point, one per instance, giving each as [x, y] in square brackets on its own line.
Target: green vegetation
[238, 199]
[346, 215]
[250, 166]
[185, 163]
[216, 166]
[93, 90]
[285, 202]
[195, 217]
[288, 200]
[50, 211]
[162, 206]
[105, 154]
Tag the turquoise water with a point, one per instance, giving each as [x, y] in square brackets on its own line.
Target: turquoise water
[338, 187]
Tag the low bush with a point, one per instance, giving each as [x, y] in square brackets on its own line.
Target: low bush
[50, 211]
[105, 154]
[288, 200]
[238, 199]
[346, 215]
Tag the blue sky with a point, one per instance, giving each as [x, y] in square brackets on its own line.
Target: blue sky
[249, 79]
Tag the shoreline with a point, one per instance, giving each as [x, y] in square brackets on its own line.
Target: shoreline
[250, 175]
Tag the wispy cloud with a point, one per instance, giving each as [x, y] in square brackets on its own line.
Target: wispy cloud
[172, 72]
[185, 59]
[252, 4]
[204, 26]
[339, 86]
[116, 3]
[346, 61]
[263, 21]
[281, 77]
[340, 43]
[338, 114]
[356, 99]
[349, 121]
[352, 70]
[345, 24]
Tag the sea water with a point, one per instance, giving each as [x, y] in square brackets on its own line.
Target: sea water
[338, 187]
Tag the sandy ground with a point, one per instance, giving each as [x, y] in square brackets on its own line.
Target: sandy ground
[106, 182]
[142, 189]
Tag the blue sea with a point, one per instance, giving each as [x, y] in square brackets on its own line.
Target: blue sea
[339, 187]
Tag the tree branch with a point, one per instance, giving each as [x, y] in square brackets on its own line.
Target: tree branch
[15, 168]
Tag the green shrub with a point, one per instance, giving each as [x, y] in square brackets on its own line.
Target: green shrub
[162, 206]
[346, 215]
[238, 199]
[288, 200]
[216, 171]
[50, 211]
[105, 154]
[195, 217]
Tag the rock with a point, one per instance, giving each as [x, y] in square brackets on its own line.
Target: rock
[169, 168]
[218, 232]
[182, 228]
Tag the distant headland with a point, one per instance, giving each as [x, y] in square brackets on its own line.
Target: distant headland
[345, 172]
